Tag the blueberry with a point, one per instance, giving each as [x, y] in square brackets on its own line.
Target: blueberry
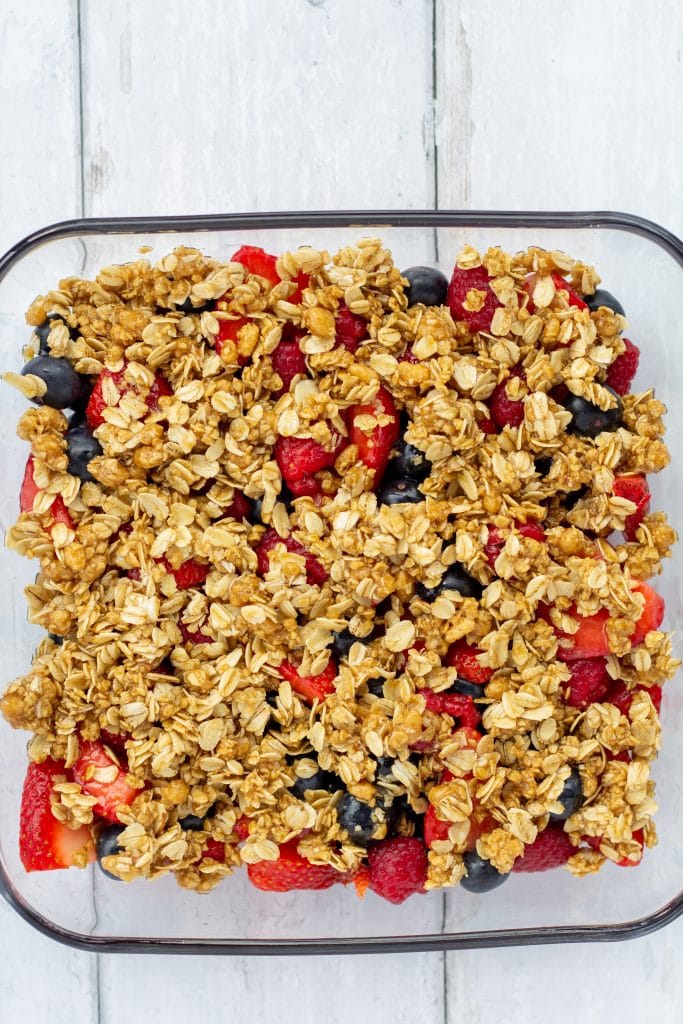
[256, 513]
[42, 332]
[59, 640]
[588, 419]
[603, 298]
[360, 820]
[399, 492]
[82, 446]
[344, 640]
[468, 689]
[319, 780]
[481, 875]
[543, 465]
[107, 845]
[410, 462]
[64, 385]
[572, 497]
[427, 285]
[187, 307]
[376, 687]
[570, 797]
[191, 823]
[385, 767]
[455, 578]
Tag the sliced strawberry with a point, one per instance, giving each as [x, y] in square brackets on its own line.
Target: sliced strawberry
[310, 687]
[291, 871]
[228, 330]
[620, 695]
[560, 286]
[652, 614]
[639, 837]
[589, 641]
[457, 705]
[465, 659]
[496, 542]
[464, 282]
[298, 456]
[28, 492]
[288, 362]
[374, 448]
[214, 850]
[193, 636]
[188, 574]
[634, 488]
[315, 572]
[242, 827]
[100, 776]
[97, 404]
[257, 261]
[351, 328]
[46, 844]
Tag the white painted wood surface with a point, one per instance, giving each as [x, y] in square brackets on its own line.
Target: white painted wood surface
[170, 107]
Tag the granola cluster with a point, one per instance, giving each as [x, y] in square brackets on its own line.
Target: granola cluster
[189, 677]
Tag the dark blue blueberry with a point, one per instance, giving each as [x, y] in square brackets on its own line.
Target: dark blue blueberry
[191, 823]
[256, 513]
[409, 462]
[376, 687]
[64, 385]
[343, 641]
[543, 465]
[603, 298]
[385, 767]
[481, 875]
[45, 328]
[455, 578]
[59, 640]
[589, 420]
[360, 820]
[464, 686]
[572, 497]
[82, 446]
[187, 307]
[107, 845]
[427, 285]
[320, 780]
[571, 796]
[399, 492]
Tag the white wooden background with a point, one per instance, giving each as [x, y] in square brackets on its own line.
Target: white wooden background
[171, 106]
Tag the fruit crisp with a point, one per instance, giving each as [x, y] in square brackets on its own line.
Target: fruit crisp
[343, 571]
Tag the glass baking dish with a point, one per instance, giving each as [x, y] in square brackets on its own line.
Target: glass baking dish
[639, 262]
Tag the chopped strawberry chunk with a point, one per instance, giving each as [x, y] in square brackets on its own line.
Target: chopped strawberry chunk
[242, 827]
[310, 687]
[28, 492]
[298, 456]
[351, 328]
[305, 485]
[100, 776]
[228, 330]
[291, 872]
[315, 572]
[639, 837]
[463, 284]
[458, 705]
[46, 844]
[189, 574]
[214, 850]
[97, 404]
[496, 541]
[634, 488]
[560, 286]
[465, 658]
[257, 261]
[507, 412]
[193, 636]
[288, 362]
[374, 447]
[652, 614]
[622, 698]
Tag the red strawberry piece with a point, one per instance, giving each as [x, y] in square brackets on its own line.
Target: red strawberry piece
[496, 542]
[374, 448]
[624, 368]
[188, 574]
[652, 614]
[458, 705]
[351, 328]
[465, 658]
[291, 871]
[46, 844]
[589, 641]
[305, 485]
[504, 411]
[487, 426]
[315, 572]
[620, 695]
[98, 773]
[27, 495]
[634, 488]
[419, 645]
[288, 362]
[302, 281]
[435, 829]
[214, 850]
[310, 687]
[228, 330]
[560, 286]
[239, 507]
[193, 636]
[463, 282]
[97, 404]
[409, 356]
[297, 456]
[551, 848]
[242, 827]
[589, 682]
[398, 868]
[639, 837]
[257, 261]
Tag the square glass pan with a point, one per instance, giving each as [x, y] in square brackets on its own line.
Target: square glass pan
[640, 263]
